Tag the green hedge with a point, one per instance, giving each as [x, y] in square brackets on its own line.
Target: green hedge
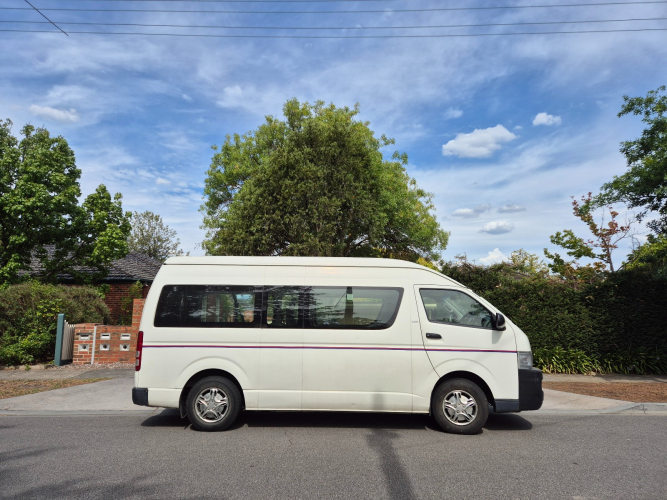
[615, 325]
[28, 314]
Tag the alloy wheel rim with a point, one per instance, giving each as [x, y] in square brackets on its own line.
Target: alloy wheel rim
[459, 407]
[212, 404]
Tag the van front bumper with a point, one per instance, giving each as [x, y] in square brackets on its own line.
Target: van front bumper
[531, 395]
[140, 396]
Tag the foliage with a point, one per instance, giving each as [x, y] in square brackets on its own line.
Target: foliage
[127, 303]
[528, 263]
[651, 256]
[316, 184]
[644, 185]
[151, 236]
[640, 361]
[39, 190]
[28, 313]
[617, 322]
[605, 238]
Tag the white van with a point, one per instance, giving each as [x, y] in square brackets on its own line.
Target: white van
[223, 334]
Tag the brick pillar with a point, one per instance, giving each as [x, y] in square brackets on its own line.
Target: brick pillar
[137, 310]
[83, 343]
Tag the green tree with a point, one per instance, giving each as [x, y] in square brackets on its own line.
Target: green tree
[39, 190]
[651, 256]
[605, 238]
[151, 236]
[528, 263]
[316, 184]
[644, 185]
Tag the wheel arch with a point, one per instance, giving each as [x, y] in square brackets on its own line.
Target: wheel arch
[468, 376]
[211, 372]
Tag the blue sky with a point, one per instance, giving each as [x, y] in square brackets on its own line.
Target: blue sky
[503, 130]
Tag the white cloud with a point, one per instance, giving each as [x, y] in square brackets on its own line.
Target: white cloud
[452, 113]
[471, 213]
[494, 257]
[186, 97]
[480, 143]
[466, 213]
[59, 115]
[497, 227]
[545, 119]
[162, 181]
[518, 127]
[511, 208]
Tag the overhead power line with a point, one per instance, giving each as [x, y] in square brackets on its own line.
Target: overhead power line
[383, 11]
[434, 26]
[49, 20]
[449, 35]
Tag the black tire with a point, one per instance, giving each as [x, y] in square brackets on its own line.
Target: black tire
[216, 388]
[457, 423]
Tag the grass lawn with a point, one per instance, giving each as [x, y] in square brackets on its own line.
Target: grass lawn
[13, 388]
[636, 392]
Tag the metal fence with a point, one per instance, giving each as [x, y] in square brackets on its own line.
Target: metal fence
[64, 342]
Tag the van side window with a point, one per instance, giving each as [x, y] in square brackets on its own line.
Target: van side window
[352, 307]
[281, 307]
[458, 308]
[209, 306]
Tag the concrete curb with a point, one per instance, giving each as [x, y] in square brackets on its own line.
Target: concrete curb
[93, 413]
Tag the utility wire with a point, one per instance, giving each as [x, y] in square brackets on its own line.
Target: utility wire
[339, 37]
[49, 20]
[500, 7]
[342, 27]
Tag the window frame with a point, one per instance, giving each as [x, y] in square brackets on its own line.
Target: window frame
[301, 305]
[387, 325]
[257, 291]
[492, 328]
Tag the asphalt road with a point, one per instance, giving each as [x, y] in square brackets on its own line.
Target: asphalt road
[291, 455]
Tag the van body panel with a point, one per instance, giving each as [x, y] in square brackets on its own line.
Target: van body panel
[165, 398]
[370, 369]
[281, 355]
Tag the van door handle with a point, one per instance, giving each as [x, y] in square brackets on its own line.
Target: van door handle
[433, 336]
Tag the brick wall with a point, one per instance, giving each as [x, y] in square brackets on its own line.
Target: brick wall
[117, 292]
[113, 344]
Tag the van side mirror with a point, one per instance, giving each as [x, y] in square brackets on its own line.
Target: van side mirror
[499, 322]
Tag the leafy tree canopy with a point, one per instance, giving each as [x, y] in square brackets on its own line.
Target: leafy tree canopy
[151, 236]
[316, 184]
[644, 185]
[39, 190]
[651, 256]
[605, 238]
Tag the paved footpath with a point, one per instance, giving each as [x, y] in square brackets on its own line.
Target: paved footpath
[114, 396]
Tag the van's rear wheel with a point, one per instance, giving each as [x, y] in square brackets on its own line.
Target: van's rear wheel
[213, 404]
[460, 406]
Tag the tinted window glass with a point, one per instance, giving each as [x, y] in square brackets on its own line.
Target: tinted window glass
[203, 306]
[282, 307]
[353, 307]
[450, 306]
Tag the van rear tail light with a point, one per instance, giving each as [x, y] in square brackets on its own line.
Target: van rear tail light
[140, 347]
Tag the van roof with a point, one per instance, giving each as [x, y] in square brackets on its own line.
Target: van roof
[293, 261]
[300, 261]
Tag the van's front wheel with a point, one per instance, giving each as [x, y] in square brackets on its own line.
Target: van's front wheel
[460, 406]
[213, 404]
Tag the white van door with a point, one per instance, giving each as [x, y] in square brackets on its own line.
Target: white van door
[458, 335]
[357, 349]
[281, 354]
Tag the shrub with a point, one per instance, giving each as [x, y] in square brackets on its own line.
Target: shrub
[28, 315]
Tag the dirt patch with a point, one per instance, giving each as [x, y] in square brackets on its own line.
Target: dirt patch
[13, 388]
[625, 391]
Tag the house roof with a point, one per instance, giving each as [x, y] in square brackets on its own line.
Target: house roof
[133, 267]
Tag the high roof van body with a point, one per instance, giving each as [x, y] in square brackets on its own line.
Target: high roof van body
[225, 334]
